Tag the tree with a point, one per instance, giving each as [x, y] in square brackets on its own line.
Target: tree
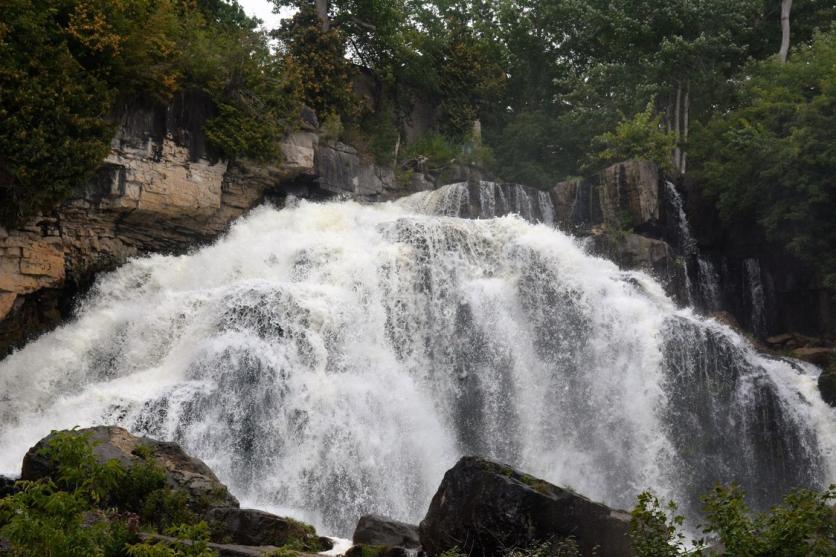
[786, 6]
[772, 158]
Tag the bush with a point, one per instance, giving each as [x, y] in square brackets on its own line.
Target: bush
[93, 508]
[640, 137]
[803, 525]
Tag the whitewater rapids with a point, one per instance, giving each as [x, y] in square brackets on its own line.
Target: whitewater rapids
[335, 359]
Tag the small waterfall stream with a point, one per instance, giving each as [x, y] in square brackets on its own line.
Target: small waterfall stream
[330, 360]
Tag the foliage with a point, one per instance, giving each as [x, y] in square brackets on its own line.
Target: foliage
[655, 529]
[316, 66]
[801, 526]
[191, 540]
[64, 64]
[640, 137]
[435, 150]
[92, 508]
[773, 157]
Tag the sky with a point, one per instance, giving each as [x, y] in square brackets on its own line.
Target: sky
[263, 9]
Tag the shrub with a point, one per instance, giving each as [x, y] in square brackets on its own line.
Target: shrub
[640, 137]
[801, 526]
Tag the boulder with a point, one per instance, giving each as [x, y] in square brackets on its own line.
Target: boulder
[220, 549]
[253, 527]
[485, 508]
[378, 551]
[827, 385]
[377, 530]
[183, 472]
[819, 356]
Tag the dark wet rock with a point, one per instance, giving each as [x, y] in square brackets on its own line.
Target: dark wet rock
[827, 385]
[377, 530]
[485, 508]
[254, 527]
[378, 551]
[183, 472]
[7, 487]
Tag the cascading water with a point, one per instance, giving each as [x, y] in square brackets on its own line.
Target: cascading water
[709, 285]
[687, 244]
[329, 360]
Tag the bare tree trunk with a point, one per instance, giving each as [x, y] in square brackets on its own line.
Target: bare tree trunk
[786, 6]
[687, 111]
[676, 151]
[322, 14]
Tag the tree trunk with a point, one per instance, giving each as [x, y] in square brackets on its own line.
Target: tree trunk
[322, 14]
[687, 111]
[786, 6]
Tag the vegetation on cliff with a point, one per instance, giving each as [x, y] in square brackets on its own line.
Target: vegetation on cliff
[64, 64]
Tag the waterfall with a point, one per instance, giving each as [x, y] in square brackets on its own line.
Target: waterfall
[709, 285]
[686, 241]
[330, 360]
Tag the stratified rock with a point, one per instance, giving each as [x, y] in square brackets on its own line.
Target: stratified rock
[622, 196]
[485, 508]
[183, 472]
[377, 530]
[253, 527]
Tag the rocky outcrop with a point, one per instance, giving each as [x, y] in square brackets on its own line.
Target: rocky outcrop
[634, 251]
[219, 549]
[377, 530]
[183, 472]
[484, 508]
[253, 527]
[623, 196]
[768, 290]
[159, 190]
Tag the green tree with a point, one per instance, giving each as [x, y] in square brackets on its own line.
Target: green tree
[772, 158]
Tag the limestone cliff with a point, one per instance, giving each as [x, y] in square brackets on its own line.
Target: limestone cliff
[159, 190]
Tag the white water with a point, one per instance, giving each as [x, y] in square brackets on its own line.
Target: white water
[329, 360]
[709, 285]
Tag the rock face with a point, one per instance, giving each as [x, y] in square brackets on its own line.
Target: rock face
[625, 195]
[377, 530]
[183, 472]
[253, 527]
[634, 251]
[159, 190]
[484, 507]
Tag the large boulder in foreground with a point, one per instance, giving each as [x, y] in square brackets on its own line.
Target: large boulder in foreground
[183, 472]
[485, 508]
[377, 530]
